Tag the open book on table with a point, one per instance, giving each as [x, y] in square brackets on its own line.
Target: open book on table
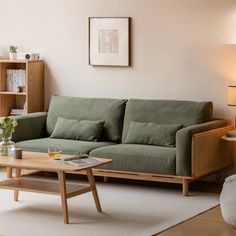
[77, 160]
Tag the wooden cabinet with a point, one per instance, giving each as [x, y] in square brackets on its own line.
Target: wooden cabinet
[32, 96]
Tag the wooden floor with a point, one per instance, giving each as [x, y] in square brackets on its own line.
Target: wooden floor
[209, 223]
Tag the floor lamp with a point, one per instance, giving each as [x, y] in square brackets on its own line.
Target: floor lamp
[232, 102]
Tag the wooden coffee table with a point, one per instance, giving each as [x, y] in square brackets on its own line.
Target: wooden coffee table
[41, 162]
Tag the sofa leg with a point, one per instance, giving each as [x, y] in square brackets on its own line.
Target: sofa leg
[185, 187]
[105, 179]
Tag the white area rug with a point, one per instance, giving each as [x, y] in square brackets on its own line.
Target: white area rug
[127, 210]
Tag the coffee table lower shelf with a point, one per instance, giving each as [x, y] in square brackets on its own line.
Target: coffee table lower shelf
[37, 161]
[43, 186]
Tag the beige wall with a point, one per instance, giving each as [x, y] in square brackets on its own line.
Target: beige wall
[181, 49]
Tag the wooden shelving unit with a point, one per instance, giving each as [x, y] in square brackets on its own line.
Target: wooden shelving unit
[33, 96]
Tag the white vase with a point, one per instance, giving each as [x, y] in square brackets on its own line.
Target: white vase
[228, 200]
[13, 56]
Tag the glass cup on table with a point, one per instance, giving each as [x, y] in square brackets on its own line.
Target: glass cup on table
[54, 152]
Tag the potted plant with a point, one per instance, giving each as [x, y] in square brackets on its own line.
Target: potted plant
[13, 52]
[7, 127]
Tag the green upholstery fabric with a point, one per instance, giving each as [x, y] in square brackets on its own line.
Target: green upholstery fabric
[67, 146]
[152, 134]
[85, 130]
[109, 110]
[33, 128]
[183, 144]
[138, 158]
[166, 112]
[30, 126]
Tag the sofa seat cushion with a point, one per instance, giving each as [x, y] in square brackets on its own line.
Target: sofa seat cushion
[138, 158]
[67, 146]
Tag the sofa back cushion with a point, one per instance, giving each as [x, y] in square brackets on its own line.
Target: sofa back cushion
[168, 112]
[109, 110]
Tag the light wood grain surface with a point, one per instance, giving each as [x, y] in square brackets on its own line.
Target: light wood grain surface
[41, 161]
[209, 223]
[34, 95]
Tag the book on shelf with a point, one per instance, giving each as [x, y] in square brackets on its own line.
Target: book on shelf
[15, 80]
[78, 160]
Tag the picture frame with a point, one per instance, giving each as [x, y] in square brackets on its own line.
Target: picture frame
[109, 41]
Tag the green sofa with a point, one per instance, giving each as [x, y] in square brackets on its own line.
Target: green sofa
[197, 149]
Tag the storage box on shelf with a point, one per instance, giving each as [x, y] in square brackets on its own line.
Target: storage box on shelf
[29, 96]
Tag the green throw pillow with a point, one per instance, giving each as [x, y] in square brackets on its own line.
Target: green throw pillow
[152, 134]
[85, 130]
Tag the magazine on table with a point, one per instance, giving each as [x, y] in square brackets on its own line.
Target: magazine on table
[78, 160]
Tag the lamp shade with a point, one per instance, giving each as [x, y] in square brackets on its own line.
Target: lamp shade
[232, 96]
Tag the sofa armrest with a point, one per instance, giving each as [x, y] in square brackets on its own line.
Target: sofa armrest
[184, 144]
[211, 153]
[30, 126]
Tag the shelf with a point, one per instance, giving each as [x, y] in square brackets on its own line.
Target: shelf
[43, 186]
[12, 93]
[33, 94]
[18, 61]
[232, 139]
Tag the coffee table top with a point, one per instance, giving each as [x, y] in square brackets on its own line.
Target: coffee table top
[41, 161]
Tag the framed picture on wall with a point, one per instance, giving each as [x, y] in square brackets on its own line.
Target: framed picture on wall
[109, 41]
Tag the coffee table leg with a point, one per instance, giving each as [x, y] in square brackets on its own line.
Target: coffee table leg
[62, 186]
[16, 192]
[9, 172]
[94, 189]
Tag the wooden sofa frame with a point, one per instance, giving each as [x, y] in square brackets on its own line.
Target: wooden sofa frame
[210, 154]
